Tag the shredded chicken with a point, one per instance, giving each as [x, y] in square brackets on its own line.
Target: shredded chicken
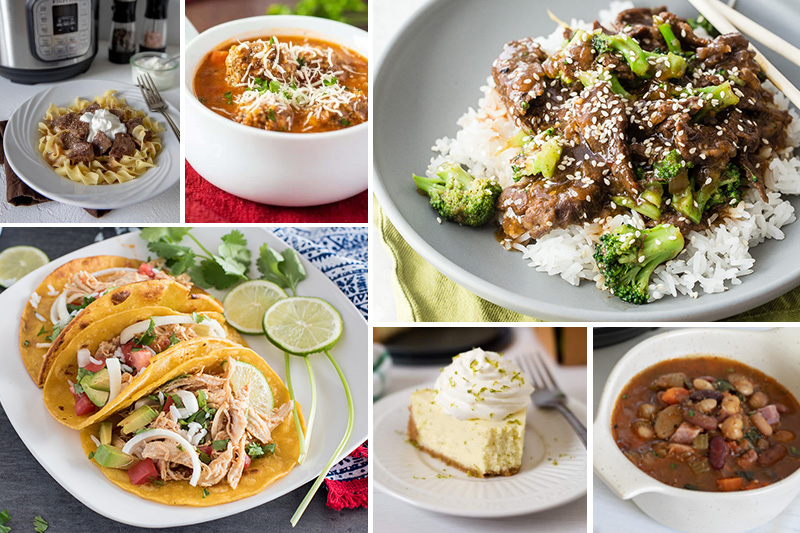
[215, 471]
[84, 284]
[237, 415]
[260, 426]
[196, 382]
[237, 467]
[165, 450]
[165, 421]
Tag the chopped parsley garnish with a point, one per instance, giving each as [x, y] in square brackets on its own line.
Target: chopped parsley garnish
[271, 115]
[272, 40]
[205, 491]
[333, 80]
[148, 336]
[228, 97]
[173, 340]
[91, 455]
[196, 318]
[254, 450]
[202, 100]
[53, 334]
[274, 86]
[345, 122]
[82, 373]
[202, 398]
[4, 518]
[40, 525]
[220, 445]
[794, 451]
[177, 401]
[26, 343]
[204, 457]
[301, 61]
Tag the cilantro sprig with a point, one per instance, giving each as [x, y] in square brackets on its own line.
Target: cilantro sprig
[282, 268]
[5, 516]
[221, 270]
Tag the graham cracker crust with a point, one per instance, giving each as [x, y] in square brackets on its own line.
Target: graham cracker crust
[413, 437]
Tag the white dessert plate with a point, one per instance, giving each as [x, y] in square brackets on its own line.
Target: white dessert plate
[58, 448]
[553, 467]
[22, 139]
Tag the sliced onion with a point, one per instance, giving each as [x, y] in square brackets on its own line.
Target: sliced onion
[107, 271]
[83, 357]
[140, 327]
[95, 440]
[145, 401]
[95, 361]
[166, 434]
[161, 397]
[174, 413]
[114, 378]
[58, 312]
[190, 405]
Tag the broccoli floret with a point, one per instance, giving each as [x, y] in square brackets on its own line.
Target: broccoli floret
[458, 196]
[589, 78]
[538, 155]
[718, 96]
[726, 189]
[628, 256]
[665, 66]
[673, 44]
[674, 171]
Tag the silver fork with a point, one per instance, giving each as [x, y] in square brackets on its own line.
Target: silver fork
[154, 101]
[547, 395]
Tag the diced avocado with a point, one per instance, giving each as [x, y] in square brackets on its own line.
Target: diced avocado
[138, 419]
[97, 381]
[98, 397]
[112, 457]
[104, 433]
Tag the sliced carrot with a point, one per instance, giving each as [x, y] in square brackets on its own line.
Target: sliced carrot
[675, 395]
[755, 484]
[728, 484]
[218, 56]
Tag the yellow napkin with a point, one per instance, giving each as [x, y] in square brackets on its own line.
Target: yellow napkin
[423, 294]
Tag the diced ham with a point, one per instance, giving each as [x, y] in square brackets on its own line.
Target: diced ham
[770, 413]
[685, 433]
[681, 452]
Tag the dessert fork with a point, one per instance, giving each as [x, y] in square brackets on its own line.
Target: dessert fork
[547, 395]
[154, 101]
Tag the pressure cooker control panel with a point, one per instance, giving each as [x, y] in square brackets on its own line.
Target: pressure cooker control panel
[60, 29]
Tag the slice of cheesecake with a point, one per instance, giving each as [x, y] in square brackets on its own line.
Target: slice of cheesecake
[479, 447]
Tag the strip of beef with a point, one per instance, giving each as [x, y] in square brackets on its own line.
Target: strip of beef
[519, 75]
[119, 113]
[638, 23]
[72, 123]
[91, 108]
[67, 139]
[123, 145]
[568, 62]
[682, 31]
[81, 152]
[101, 143]
[573, 195]
[600, 119]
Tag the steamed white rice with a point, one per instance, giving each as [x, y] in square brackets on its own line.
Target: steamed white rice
[712, 260]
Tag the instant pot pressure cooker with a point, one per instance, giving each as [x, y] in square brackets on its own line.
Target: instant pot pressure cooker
[47, 40]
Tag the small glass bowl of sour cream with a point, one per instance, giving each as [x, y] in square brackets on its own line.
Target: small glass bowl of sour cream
[159, 67]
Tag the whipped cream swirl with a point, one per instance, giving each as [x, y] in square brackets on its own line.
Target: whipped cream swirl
[479, 384]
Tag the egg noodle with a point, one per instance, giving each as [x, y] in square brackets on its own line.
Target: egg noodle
[103, 169]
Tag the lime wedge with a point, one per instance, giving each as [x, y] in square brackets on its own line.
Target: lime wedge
[245, 374]
[302, 325]
[17, 261]
[246, 304]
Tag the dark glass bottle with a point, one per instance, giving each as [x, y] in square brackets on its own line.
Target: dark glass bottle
[123, 31]
[154, 36]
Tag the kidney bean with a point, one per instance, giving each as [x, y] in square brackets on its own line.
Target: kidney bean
[698, 395]
[717, 451]
[772, 455]
[782, 409]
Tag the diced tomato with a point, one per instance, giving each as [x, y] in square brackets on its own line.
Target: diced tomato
[247, 461]
[91, 367]
[143, 472]
[83, 405]
[167, 404]
[140, 358]
[147, 270]
[208, 450]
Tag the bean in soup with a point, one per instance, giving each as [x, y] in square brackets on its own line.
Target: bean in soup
[289, 84]
[708, 424]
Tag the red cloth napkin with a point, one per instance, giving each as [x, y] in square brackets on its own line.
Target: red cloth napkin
[207, 203]
[348, 483]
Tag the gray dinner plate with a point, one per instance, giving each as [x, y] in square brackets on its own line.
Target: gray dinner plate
[428, 78]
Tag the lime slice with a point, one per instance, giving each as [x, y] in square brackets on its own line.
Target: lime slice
[302, 325]
[246, 304]
[17, 261]
[260, 394]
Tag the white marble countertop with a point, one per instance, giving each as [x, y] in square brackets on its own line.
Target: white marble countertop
[163, 208]
[394, 516]
[611, 514]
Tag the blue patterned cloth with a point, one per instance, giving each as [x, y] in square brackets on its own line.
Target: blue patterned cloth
[340, 253]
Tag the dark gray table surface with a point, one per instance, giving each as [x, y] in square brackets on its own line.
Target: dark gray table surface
[27, 490]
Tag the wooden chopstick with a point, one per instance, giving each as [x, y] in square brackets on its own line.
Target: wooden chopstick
[719, 21]
[759, 33]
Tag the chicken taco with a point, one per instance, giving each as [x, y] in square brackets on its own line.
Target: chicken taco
[81, 288]
[111, 358]
[211, 430]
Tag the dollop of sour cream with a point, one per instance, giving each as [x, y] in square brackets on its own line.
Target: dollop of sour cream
[480, 384]
[105, 121]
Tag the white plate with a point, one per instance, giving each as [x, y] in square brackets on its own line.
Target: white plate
[58, 448]
[21, 140]
[417, 478]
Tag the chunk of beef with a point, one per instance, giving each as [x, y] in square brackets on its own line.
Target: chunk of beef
[638, 23]
[568, 62]
[67, 139]
[91, 108]
[637, 16]
[700, 144]
[601, 120]
[119, 113]
[72, 123]
[123, 145]
[519, 75]
[101, 143]
[81, 152]
[730, 53]
[138, 121]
